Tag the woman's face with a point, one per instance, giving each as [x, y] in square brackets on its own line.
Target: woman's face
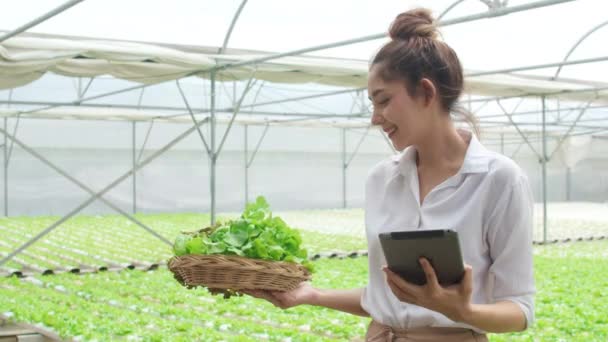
[400, 115]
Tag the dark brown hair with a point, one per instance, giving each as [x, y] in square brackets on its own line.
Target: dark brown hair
[415, 52]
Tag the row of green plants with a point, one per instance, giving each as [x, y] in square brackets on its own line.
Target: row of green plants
[101, 241]
[152, 306]
[118, 302]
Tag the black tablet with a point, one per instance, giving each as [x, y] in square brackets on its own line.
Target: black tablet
[402, 251]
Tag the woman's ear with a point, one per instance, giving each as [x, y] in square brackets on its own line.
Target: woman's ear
[428, 91]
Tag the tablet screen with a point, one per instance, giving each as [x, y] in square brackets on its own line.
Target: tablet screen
[403, 249]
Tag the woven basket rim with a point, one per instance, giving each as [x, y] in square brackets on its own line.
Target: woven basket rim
[288, 274]
[176, 258]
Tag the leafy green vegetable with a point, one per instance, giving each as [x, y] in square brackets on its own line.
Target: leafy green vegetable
[196, 245]
[179, 247]
[256, 234]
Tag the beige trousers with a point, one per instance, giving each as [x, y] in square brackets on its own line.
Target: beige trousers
[382, 333]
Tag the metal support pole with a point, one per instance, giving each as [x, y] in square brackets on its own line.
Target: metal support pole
[544, 166]
[134, 172]
[247, 163]
[5, 150]
[214, 152]
[568, 178]
[516, 150]
[212, 156]
[257, 146]
[344, 166]
[79, 88]
[346, 161]
[237, 108]
[141, 97]
[246, 152]
[514, 124]
[200, 133]
[143, 146]
[570, 129]
[86, 88]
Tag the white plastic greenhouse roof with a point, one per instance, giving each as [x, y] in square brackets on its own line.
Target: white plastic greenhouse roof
[25, 59]
[504, 54]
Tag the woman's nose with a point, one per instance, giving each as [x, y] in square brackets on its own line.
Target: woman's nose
[377, 119]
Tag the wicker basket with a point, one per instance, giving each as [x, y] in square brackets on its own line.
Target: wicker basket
[221, 273]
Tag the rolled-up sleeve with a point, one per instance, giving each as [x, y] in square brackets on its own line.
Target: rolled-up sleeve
[510, 232]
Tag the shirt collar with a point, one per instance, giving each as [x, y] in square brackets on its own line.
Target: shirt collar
[476, 159]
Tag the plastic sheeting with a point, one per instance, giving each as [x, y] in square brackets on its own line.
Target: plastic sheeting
[26, 58]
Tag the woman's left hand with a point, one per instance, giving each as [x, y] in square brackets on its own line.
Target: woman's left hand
[453, 301]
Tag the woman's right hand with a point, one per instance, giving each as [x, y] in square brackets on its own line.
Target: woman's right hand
[303, 294]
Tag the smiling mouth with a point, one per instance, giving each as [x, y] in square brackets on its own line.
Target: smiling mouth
[391, 132]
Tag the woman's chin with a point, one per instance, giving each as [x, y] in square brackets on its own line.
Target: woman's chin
[400, 145]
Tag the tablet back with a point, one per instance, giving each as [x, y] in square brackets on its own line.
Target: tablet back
[402, 251]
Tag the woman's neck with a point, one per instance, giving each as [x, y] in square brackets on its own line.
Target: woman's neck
[443, 150]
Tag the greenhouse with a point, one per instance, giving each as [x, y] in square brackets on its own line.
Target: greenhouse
[126, 123]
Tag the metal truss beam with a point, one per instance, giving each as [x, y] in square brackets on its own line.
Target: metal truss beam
[98, 194]
[40, 19]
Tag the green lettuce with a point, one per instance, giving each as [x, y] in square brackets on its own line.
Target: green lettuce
[256, 234]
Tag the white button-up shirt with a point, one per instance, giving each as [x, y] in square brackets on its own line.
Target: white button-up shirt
[488, 202]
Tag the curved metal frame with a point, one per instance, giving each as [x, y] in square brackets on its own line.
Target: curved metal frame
[232, 24]
[449, 8]
[491, 6]
[585, 36]
[40, 19]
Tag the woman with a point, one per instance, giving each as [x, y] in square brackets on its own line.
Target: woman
[444, 178]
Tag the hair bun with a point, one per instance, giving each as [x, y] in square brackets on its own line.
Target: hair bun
[414, 23]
